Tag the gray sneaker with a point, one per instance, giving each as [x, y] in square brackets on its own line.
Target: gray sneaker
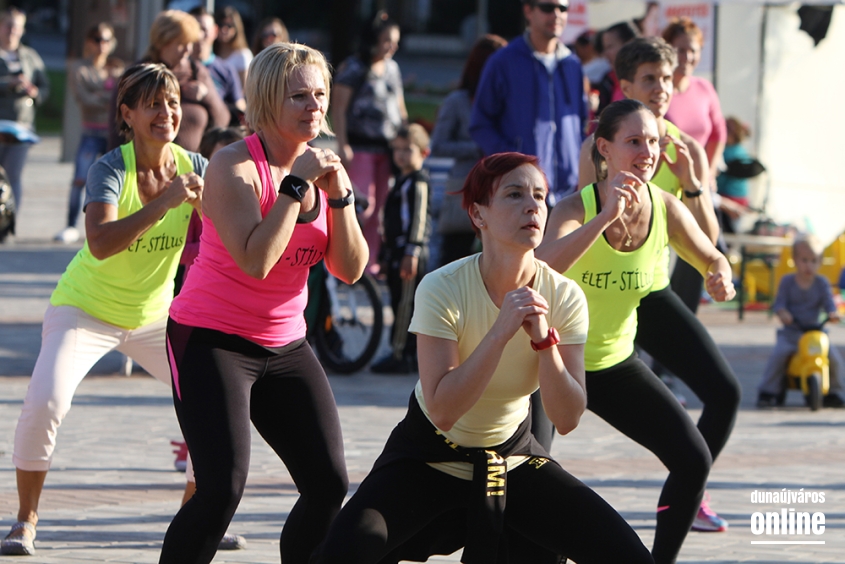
[232, 542]
[20, 541]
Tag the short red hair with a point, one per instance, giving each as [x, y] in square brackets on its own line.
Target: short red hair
[482, 179]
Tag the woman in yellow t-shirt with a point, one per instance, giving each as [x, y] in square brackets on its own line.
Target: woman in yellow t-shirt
[609, 238]
[491, 329]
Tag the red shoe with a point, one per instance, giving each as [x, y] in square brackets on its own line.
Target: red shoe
[181, 452]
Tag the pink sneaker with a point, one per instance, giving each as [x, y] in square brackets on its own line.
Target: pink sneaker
[706, 520]
[181, 452]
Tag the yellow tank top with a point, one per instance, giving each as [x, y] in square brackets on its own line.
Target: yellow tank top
[134, 287]
[615, 282]
[666, 180]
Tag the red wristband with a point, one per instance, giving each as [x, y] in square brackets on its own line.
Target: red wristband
[551, 340]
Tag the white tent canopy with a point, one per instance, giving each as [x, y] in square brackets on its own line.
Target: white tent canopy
[770, 74]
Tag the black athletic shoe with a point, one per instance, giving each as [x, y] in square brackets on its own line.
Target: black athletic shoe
[832, 400]
[765, 400]
[392, 365]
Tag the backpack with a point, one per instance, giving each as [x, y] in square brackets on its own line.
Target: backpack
[7, 207]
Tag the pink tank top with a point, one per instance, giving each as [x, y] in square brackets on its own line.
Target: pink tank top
[218, 295]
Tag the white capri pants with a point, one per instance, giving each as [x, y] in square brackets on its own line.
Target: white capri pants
[71, 343]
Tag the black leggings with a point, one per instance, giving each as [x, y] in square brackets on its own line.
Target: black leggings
[221, 383]
[671, 334]
[637, 403]
[546, 505]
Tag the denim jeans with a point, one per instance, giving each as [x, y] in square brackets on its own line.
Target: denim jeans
[91, 148]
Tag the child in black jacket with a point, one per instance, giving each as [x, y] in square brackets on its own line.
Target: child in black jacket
[406, 227]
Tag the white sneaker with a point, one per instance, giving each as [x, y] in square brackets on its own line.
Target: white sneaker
[67, 235]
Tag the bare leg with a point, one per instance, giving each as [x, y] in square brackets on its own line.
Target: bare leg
[190, 490]
[30, 485]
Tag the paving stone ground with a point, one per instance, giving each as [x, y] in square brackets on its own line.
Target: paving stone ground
[112, 490]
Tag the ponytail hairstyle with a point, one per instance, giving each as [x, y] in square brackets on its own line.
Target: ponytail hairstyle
[608, 124]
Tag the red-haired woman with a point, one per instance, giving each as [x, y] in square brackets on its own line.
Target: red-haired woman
[491, 329]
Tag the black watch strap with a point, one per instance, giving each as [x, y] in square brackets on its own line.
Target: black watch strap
[294, 187]
[695, 193]
[342, 202]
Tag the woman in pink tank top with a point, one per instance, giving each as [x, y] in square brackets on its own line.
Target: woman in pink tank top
[236, 335]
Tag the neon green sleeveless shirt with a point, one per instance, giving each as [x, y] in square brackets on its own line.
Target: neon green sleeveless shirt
[615, 282]
[134, 287]
[666, 180]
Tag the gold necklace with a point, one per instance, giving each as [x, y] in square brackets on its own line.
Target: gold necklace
[629, 240]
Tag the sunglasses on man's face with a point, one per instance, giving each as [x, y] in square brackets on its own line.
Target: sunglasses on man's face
[548, 7]
[101, 39]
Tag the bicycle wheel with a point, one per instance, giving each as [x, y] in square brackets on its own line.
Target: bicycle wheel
[350, 323]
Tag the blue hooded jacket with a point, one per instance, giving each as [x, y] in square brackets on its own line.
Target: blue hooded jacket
[519, 106]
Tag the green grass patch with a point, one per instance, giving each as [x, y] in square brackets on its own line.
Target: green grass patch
[48, 117]
[422, 108]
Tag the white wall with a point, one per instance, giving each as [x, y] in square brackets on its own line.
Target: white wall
[801, 123]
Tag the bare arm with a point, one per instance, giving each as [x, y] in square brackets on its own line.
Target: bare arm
[692, 245]
[232, 203]
[691, 168]
[586, 169]
[347, 253]
[563, 386]
[567, 238]
[341, 98]
[107, 235]
[714, 150]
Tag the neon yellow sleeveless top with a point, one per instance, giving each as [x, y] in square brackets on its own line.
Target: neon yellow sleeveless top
[134, 287]
[666, 180]
[615, 282]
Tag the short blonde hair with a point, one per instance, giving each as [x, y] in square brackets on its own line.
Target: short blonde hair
[169, 26]
[139, 85]
[813, 243]
[267, 81]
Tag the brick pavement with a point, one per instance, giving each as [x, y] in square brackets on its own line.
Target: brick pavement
[112, 492]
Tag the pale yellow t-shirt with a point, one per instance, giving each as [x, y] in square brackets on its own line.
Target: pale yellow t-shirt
[452, 303]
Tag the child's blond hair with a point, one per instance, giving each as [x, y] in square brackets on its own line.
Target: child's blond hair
[416, 135]
[813, 243]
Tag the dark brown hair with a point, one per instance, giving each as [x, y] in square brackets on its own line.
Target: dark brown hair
[478, 55]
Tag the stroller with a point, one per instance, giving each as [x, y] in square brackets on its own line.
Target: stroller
[7, 207]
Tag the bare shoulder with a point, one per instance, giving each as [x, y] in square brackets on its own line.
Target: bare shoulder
[232, 159]
[587, 144]
[233, 165]
[571, 208]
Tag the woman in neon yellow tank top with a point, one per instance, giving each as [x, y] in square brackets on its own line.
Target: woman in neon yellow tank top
[608, 238]
[116, 291]
[667, 327]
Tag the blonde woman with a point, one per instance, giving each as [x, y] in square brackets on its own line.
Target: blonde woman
[274, 207]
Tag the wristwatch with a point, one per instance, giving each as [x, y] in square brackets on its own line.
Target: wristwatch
[694, 194]
[342, 202]
[551, 340]
[294, 187]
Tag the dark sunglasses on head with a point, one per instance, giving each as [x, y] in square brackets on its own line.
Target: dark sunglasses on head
[548, 7]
